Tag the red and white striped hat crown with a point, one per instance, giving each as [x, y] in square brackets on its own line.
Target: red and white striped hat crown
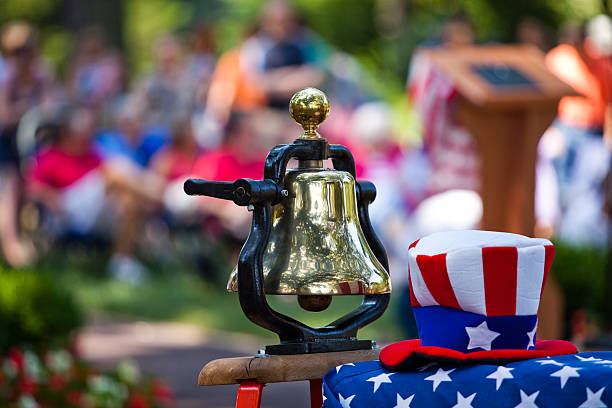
[483, 272]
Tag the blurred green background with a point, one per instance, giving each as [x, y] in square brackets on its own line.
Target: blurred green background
[382, 34]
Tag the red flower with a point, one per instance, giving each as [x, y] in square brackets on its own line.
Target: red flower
[161, 392]
[56, 382]
[16, 357]
[27, 386]
[137, 401]
[74, 397]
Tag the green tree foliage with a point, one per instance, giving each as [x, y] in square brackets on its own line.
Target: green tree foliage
[381, 33]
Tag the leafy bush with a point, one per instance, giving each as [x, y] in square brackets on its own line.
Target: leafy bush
[581, 275]
[35, 311]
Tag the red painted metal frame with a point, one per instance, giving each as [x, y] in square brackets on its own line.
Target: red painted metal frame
[316, 393]
[249, 394]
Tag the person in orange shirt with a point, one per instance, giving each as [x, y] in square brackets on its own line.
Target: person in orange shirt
[587, 67]
[577, 140]
[277, 60]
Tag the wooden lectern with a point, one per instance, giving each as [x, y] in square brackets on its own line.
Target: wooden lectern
[507, 98]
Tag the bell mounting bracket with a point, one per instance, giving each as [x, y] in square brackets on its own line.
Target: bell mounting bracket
[261, 195]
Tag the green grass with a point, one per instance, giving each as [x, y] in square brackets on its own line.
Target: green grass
[176, 293]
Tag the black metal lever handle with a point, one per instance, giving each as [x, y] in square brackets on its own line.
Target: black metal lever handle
[242, 191]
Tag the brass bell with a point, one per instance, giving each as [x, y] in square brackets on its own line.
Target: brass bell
[310, 236]
[316, 246]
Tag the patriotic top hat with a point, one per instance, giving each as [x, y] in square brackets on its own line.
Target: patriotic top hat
[475, 297]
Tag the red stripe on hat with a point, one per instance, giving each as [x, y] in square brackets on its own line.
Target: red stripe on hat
[413, 244]
[499, 266]
[413, 300]
[549, 255]
[435, 275]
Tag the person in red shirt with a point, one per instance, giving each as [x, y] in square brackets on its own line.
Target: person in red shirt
[173, 163]
[89, 196]
[240, 156]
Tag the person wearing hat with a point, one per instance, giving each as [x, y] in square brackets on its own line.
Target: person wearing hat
[475, 297]
[23, 85]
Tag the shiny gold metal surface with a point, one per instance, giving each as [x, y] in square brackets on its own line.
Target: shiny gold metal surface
[309, 107]
[316, 245]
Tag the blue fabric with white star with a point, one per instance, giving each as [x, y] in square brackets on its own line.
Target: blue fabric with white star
[577, 380]
[455, 333]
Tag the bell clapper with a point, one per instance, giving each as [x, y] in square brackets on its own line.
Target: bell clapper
[314, 303]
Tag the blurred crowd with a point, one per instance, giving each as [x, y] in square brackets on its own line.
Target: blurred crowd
[97, 156]
[93, 155]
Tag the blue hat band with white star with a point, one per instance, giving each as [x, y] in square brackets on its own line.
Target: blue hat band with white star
[468, 332]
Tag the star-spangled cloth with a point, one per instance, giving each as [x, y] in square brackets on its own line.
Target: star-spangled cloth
[577, 380]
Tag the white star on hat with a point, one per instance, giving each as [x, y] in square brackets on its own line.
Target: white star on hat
[528, 401]
[403, 403]
[342, 365]
[593, 399]
[587, 358]
[345, 402]
[464, 402]
[439, 376]
[480, 336]
[502, 373]
[531, 336]
[380, 379]
[565, 374]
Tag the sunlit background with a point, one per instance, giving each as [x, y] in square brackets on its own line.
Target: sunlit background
[112, 281]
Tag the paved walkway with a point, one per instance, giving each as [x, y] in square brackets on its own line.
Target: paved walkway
[177, 352]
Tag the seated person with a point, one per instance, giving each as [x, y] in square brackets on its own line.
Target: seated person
[240, 156]
[25, 83]
[173, 164]
[87, 195]
[131, 140]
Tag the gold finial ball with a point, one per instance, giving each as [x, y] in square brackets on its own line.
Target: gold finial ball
[309, 107]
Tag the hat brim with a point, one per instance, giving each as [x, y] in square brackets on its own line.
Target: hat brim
[409, 354]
